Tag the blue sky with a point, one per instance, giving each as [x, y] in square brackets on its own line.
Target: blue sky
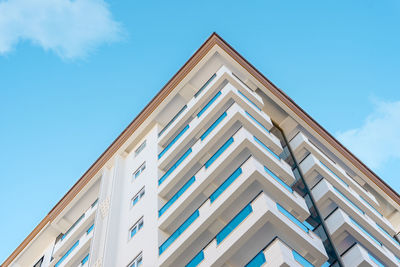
[73, 74]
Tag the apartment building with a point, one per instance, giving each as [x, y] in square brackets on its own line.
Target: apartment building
[221, 168]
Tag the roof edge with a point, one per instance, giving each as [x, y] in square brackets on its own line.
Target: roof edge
[214, 39]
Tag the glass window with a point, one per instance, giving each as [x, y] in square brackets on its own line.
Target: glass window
[139, 170]
[137, 197]
[138, 225]
[140, 148]
[138, 261]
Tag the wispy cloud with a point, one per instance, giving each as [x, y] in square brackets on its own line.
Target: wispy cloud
[377, 141]
[70, 28]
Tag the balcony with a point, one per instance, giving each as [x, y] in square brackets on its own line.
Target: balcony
[199, 152]
[249, 172]
[358, 256]
[301, 145]
[313, 170]
[250, 229]
[277, 253]
[215, 109]
[328, 197]
[81, 225]
[344, 230]
[210, 90]
[75, 254]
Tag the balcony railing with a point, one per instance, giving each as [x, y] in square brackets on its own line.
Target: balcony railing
[176, 196]
[209, 130]
[219, 152]
[172, 120]
[254, 104]
[279, 180]
[257, 261]
[67, 253]
[267, 148]
[173, 167]
[233, 223]
[208, 104]
[205, 85]
[292, 218]
[179, 231]
[173, 141]
[225, 184]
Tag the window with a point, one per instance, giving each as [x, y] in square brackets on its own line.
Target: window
[140, 148]
[138, 196]
[39, 263]
[138, 225]
[139, 170]
[137, 262]
[85, 259]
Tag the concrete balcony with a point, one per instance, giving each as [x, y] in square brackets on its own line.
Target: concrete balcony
[194, 106]
[301, 146]
[345, 231]
[249, 172]
[313, 169]
[234, 245]
[74, 255]
[278, 254]
[358, 256]
[82, 225]
[199, 125]
[328, 197]
[201, 151]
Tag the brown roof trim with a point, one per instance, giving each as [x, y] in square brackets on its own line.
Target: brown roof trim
[161, 95]
[309, 120]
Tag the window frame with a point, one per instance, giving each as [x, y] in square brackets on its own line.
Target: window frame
[140, 148]
[137, 226]
[139, 195]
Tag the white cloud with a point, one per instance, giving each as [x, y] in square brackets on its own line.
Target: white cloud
[377, 141]
[70, 28]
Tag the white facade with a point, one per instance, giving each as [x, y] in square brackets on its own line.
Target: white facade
[220, 173]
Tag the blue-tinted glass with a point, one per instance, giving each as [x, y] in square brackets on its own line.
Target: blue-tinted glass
[173, 141]
[254, 104]
[326, 264]
[196, 260]
[225, 184]
[85, 259]
[208, 104]
[334, 174]
[179, 231]
[386, 233]
[176, 196]
[90, 229]
[135, 200]
[300, 259]
[278, 179]
[267, 148]
[213, 126]
[67, 253]
[372, 207]
[376, 260]
[95, 202]
[205, 85]
[365, 232]
[171, 121]
[348, 200]
[72, 227]
[257, 261]
[219, 152]
[292, 218]
[233, 223]
[256, 121]
[134, 231]
[179, 161]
